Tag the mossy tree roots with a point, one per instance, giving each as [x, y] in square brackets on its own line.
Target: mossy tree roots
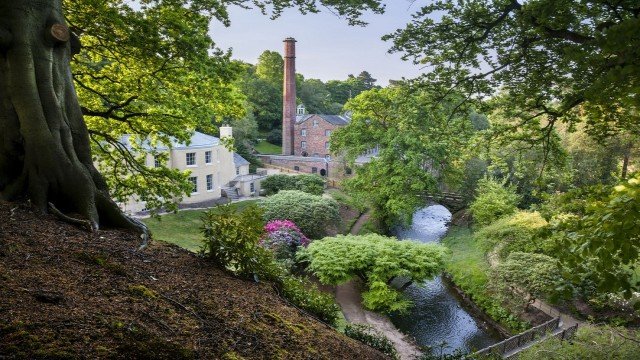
[44, 143]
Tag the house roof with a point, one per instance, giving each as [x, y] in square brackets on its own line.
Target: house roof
[239, 160]
[198, 140]
[331, 119]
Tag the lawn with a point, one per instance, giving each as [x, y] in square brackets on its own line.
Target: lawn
[183, 228]
[263, 147]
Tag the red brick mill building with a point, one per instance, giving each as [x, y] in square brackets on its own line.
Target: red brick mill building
[305, 137]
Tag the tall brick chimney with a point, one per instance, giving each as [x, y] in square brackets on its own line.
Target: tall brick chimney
[289, 96]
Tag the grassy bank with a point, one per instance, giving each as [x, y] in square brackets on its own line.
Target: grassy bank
[183, 228]
[470, 271]
[264, 147]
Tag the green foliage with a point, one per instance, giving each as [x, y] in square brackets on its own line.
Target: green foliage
[492, 202]
[366, 335]
[553, 60]
[537, 274]
[471, 272]
[376, 260]
[306, 295]
[275, 137]
[518, 232]
[418, 145]
[603, 242]
[136, 74]
[312, 213]
[310, 184]
[590, 342]
[231, 241]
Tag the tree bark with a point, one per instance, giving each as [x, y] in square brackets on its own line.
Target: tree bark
[45, 154]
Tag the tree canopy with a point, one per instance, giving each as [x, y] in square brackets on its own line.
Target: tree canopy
[552, 60]
[419, 146]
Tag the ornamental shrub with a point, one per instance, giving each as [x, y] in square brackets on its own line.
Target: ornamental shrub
[283, 238]
[231, 241]
[492, 202]
[366, 335]
[518, 232]
[311, 184]
[313, 214]
[376, 260]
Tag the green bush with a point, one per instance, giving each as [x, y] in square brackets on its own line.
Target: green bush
[311, 184]
[306, 295]
[376, 260]
[537, 274]
[518, 232]
[231, 241]
[492, 202]
[313, 214]
[275, 137]
[366, 335]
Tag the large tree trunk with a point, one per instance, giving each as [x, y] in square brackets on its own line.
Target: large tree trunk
[44, 143]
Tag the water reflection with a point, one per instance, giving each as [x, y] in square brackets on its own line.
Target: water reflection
[438, 316]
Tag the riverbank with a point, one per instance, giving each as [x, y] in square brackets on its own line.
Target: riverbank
[470, 271]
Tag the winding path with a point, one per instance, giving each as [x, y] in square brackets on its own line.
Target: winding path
[349, 299]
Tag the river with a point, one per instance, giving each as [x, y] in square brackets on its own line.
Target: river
[439, 319]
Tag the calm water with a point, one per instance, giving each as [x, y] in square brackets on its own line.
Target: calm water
[438, 317]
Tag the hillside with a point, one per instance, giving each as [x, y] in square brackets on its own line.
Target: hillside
[66, 293]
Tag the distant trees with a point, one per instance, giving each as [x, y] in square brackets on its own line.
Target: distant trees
[419, 147]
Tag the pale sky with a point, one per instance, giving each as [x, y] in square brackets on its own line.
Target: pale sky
[327, 47]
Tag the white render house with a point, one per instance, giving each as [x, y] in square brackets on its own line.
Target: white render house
[213, 168]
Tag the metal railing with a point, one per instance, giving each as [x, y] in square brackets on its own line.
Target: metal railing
[532, 335]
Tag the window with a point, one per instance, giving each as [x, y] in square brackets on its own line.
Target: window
[315, 122]
[326, 145]
[194, 182]
[303, 132]
[191, 159]
[157, 161]
[252, 187]
[209, 182]
[314, 170]
[296, 168]
[303, 144]
[238, 171]
[327, 133]
[207, 157]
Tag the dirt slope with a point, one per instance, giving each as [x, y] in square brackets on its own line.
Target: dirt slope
[65, 293]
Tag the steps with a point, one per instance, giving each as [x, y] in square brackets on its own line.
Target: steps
[231, 193]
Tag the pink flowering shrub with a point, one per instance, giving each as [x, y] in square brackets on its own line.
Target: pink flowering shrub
[284, 238]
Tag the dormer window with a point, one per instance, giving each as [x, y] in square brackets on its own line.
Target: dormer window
[300, 110]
